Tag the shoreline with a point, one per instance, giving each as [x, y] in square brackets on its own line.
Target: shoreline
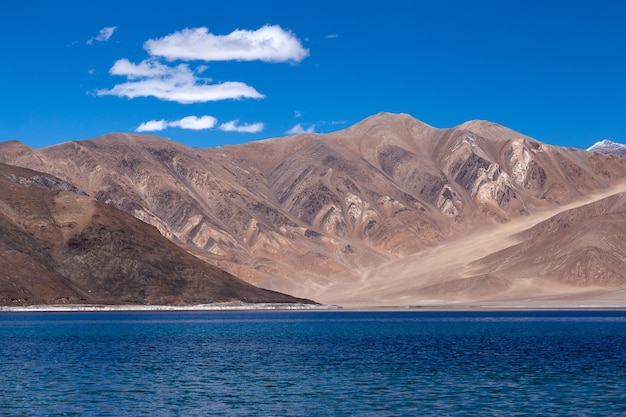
[481, 308]
[68, 308]
[50, 308]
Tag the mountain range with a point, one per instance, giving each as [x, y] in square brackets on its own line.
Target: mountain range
[390, 211]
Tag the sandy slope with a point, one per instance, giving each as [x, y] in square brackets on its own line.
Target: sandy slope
[401, 282]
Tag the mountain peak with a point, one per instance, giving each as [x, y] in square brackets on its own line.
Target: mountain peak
[477, 124]
[607, 146]
[488, 130]
[386, 117]
[385, 122]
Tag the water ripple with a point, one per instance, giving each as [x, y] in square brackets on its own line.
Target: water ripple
[328, 364]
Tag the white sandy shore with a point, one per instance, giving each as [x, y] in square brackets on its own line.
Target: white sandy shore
[199, 307]
[528, 305]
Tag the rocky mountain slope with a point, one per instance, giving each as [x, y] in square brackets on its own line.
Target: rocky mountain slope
[581, 247]
[308, 214]
[572, 258]
[60, 246]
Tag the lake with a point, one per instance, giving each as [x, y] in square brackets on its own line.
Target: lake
[328, 363]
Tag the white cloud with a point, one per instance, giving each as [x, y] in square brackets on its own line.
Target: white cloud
[150, 78]
[152, 126]
[189, 122]
[332, 36]
[234, 126]
[300, 129]
[104, 35]
[269, 43]
[148, 68]
[194, 123]
[297, 114]
[181, 83]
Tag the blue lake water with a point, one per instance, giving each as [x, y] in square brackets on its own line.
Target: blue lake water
[313, 363]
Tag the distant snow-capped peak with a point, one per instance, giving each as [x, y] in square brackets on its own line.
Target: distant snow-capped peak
[609, 147]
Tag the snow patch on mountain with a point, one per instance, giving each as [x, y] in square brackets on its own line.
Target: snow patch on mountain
[609, 147]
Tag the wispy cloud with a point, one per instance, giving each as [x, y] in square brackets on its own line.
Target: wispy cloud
[189, 122]
[151, 78]
[300, 129]
[234, 126]
[103, 36]
[270, 43]
[152, 126]
[332, 36]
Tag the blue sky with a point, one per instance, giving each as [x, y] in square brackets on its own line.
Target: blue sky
[209, 73]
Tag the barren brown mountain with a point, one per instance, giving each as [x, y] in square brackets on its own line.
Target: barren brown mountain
[60, 246]
[574, 258]
[581, 247]
[350, 217]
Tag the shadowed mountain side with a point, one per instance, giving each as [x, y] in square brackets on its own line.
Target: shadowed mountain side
[303, 213]
[58, 246]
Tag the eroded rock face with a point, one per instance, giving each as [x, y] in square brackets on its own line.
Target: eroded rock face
[304, 212]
